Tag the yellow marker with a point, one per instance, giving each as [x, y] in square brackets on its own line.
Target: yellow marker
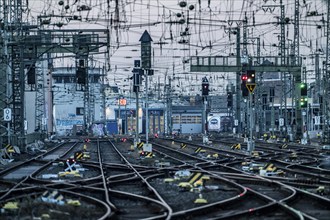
[200, 199]
[73, 202]
[236, 147]
[205, 177]
[140, 145]
[10, 205]
[198, 183]
[45, 216]
[191, 181]
[195, 178]
[168, 180]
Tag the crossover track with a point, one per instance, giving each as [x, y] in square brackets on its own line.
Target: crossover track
[105, 178]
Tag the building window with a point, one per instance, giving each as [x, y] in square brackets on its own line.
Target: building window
[79, 111]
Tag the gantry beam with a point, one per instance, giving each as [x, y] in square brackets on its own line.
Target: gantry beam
[229, 64]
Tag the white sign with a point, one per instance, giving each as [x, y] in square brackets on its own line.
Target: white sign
[7, 114]
[25, 125]
[317, 120]
[281, 122]
[236, 122]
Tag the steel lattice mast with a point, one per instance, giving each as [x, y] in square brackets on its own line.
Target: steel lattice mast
[326, 87]
[12, 34]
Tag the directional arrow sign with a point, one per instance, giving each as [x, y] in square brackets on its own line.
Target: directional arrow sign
[251, 87]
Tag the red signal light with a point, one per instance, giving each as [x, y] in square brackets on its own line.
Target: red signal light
[244, 77]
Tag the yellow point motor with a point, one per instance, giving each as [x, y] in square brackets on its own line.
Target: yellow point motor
[73, 202]
[10, 206]
[200, 200]
[168, 180]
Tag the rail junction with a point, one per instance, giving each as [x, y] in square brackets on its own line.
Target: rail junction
[179, 134]
[182, 178]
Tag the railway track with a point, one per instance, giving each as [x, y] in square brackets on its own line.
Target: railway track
[251, 203]
[117, 181]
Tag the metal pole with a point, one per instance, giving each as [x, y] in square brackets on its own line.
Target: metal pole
[137, 118]
[205, 139]
[8, 130]
[50, 128]
[203, 116]
[147, 115]
[6, 56]
[272, 118]
[119, 119]
[251, 127]
[250, 115]
[238, 81]
[126, 118]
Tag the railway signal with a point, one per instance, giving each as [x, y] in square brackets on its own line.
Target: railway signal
[303, 95]
[229, 100]
[81, 72]
[245, 91]
[303, 102]
[303, 89]
[137, 79]
[251, 76]
[205, 87]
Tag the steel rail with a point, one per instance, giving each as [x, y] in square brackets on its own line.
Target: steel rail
[168, 208]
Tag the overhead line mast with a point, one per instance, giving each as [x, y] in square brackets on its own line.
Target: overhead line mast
[13, 33]
[326, 88]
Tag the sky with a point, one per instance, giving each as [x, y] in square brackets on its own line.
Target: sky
[199, 27]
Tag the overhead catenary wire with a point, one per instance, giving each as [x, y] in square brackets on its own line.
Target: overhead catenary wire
[206, 25]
